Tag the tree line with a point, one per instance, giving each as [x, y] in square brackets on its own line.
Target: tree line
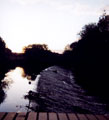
[88, 57]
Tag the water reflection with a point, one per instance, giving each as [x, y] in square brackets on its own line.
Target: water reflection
[57, 91]
[31, 71]
[2, 93]
[53, 90]
[13, 94]
[3, 85]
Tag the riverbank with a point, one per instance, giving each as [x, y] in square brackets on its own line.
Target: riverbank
[58, 92]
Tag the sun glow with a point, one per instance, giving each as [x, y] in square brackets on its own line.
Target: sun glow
[51, 22]
[24, 30]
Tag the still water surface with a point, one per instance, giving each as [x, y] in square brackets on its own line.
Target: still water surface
[15, 91]
[54, 90]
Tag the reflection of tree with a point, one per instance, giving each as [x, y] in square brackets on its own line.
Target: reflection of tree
[35, 101]
[2, 93]
[3, 84]
[5, 54]
[89, 56]
[38, 57]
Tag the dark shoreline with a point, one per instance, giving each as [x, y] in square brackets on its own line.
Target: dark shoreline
[58, 92]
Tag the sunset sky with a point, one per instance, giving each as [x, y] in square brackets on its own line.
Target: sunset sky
[53, 22]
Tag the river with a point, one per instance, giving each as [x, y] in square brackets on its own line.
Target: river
[53, 90]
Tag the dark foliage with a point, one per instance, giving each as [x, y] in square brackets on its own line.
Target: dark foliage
[2, 93]
[90, 57]
[37, 57]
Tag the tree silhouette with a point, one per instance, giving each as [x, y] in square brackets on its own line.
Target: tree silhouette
[36, 58]
[90, 56]
[2, 48]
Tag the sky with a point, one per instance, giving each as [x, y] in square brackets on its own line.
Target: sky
[52, 22]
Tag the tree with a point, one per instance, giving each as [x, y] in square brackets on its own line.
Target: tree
[35, 47]
[90, 56]
[36, 52]
[38, 57]
[2, 47]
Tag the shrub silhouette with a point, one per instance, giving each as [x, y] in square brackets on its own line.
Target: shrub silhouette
[37, 57]
[90, 56]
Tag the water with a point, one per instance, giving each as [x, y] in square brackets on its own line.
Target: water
[15, 91]
[54, 90]
[60, 93]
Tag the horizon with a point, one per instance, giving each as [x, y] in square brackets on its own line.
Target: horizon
[38, 78]
[53, 22]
